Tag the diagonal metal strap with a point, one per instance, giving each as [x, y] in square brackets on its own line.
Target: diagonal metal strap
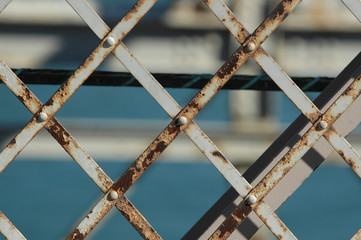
[69, 144]
[346, 151]
[8, 229]
[284, 82]
[189, 112]
[355, 7]
[300, 148]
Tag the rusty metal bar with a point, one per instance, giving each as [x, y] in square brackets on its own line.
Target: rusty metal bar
[301, 147]
[355, 7]
[8, 229]
[69, 144]
[188, 113]
[344, 149]
[137, 220]
[357, 236]
[39, 120]
[284, 82]
[273, 222]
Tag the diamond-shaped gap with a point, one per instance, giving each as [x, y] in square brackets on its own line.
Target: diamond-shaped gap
[46, 193]
[13, 115]
[113, 123]
[326, 206]
[172, 196]
[44, 35]
[162, 48]
[112, 12]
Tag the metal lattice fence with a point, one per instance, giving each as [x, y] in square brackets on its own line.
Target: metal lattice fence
[325, 121]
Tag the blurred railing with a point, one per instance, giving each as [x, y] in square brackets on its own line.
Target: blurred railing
[311, 138]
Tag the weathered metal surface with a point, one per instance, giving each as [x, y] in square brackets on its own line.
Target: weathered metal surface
[8, 229]
[346, 151]
[299, 149]
[137, 220]
[284, 82]
[278, 228]
[357, 236]
[355, 7]
[182, 118]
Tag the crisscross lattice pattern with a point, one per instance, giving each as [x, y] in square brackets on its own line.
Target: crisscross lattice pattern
[320, 118]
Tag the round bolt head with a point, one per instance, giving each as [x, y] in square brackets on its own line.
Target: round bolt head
[109, 42]
[250, 47]
[251, 200]
[182, 121]
[322, 125]
[42, 117]
[113, 195]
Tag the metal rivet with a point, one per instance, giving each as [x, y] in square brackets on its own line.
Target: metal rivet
[42, 117]
[182, 121]
[250, 47]
[113, 195]
[109, 42]
[251, 200]
[322, 125]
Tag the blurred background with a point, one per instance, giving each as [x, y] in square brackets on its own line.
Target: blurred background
[45, 194]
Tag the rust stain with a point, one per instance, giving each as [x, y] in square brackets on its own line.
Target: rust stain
[136, 219]
[233, 221]
[59, 133]
[12, 143]
[125, 181]
[229, 67]
[76, 235]
[220, 155]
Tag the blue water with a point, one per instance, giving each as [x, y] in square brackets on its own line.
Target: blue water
[45, 200]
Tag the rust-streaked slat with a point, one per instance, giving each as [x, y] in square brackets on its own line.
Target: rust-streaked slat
[8, 229]
[273, 222]
[344, 149]
[294, 154]
[284, 82]
[189, 112]
[137, 220]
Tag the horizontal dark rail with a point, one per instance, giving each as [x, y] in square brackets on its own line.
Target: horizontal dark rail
[102, 78]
